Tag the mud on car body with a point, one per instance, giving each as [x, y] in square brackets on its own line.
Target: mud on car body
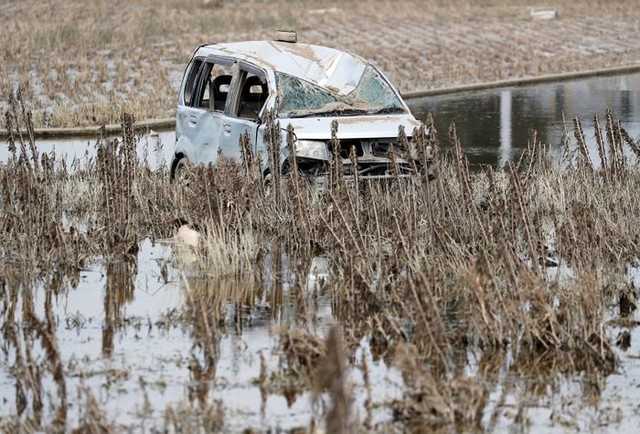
[229, 88]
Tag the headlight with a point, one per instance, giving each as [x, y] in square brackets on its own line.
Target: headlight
[414, 154]
[312, 149]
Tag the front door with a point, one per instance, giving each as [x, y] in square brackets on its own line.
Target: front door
[242, 115]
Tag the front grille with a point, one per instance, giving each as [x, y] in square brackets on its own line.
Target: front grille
[345, 148]
[381, 149]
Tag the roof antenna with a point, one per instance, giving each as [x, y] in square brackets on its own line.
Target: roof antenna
[287, 36]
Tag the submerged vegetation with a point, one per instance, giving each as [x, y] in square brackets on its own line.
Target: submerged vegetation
[447, 282]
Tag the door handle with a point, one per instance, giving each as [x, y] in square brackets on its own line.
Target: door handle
[193, 119]
[226, 128]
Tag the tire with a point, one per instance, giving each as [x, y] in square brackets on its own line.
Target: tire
[181, 171]
[267, 183]
[430, 171]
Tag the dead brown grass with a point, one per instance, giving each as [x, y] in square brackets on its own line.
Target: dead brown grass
[424, 272]
[85, 63]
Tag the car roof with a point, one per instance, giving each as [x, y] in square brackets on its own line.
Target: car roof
[335, 70]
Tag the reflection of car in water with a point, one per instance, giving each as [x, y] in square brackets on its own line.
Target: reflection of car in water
[228, 89]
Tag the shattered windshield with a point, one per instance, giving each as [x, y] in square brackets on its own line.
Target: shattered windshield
[299, 98]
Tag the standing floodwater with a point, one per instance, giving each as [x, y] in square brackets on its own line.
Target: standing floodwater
[495, 303]
[493, 125]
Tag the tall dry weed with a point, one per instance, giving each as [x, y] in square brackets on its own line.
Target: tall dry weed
[512, 263]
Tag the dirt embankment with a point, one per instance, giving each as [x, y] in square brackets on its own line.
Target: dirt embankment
[83, 64]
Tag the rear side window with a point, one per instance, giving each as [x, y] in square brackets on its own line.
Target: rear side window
[190, 85]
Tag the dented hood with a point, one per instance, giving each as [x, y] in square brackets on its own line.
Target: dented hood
[352, 127]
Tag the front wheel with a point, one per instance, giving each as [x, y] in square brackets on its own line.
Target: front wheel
[181, 171]
[267, 184]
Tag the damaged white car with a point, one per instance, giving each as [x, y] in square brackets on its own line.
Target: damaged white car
[228, 90]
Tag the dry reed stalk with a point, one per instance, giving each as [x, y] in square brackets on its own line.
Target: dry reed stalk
[634, 145]
[274, 141]
[294, 179]
[616, 153]
[614, 148]
[117, 165]
[336, 170]
[447, 267]
[431, 327]
[599, 140]
[522, 214]
[582, 146]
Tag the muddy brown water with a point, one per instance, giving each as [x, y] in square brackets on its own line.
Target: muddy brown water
[144, 363]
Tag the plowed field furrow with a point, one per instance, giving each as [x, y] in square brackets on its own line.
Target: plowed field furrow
[114, 55]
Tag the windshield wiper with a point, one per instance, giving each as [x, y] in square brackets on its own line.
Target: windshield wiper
[342, 112]
[386, 110]
[303, 114]
[325, 113]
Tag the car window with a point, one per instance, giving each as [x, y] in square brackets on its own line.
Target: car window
[372, 95]
[190, 84]
[252, 94]
[214, 82]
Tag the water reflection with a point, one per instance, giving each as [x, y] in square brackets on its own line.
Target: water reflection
[118, 292]
[505, 127]
[493, 125]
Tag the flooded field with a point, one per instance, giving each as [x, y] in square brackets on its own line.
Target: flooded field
[493, 300]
